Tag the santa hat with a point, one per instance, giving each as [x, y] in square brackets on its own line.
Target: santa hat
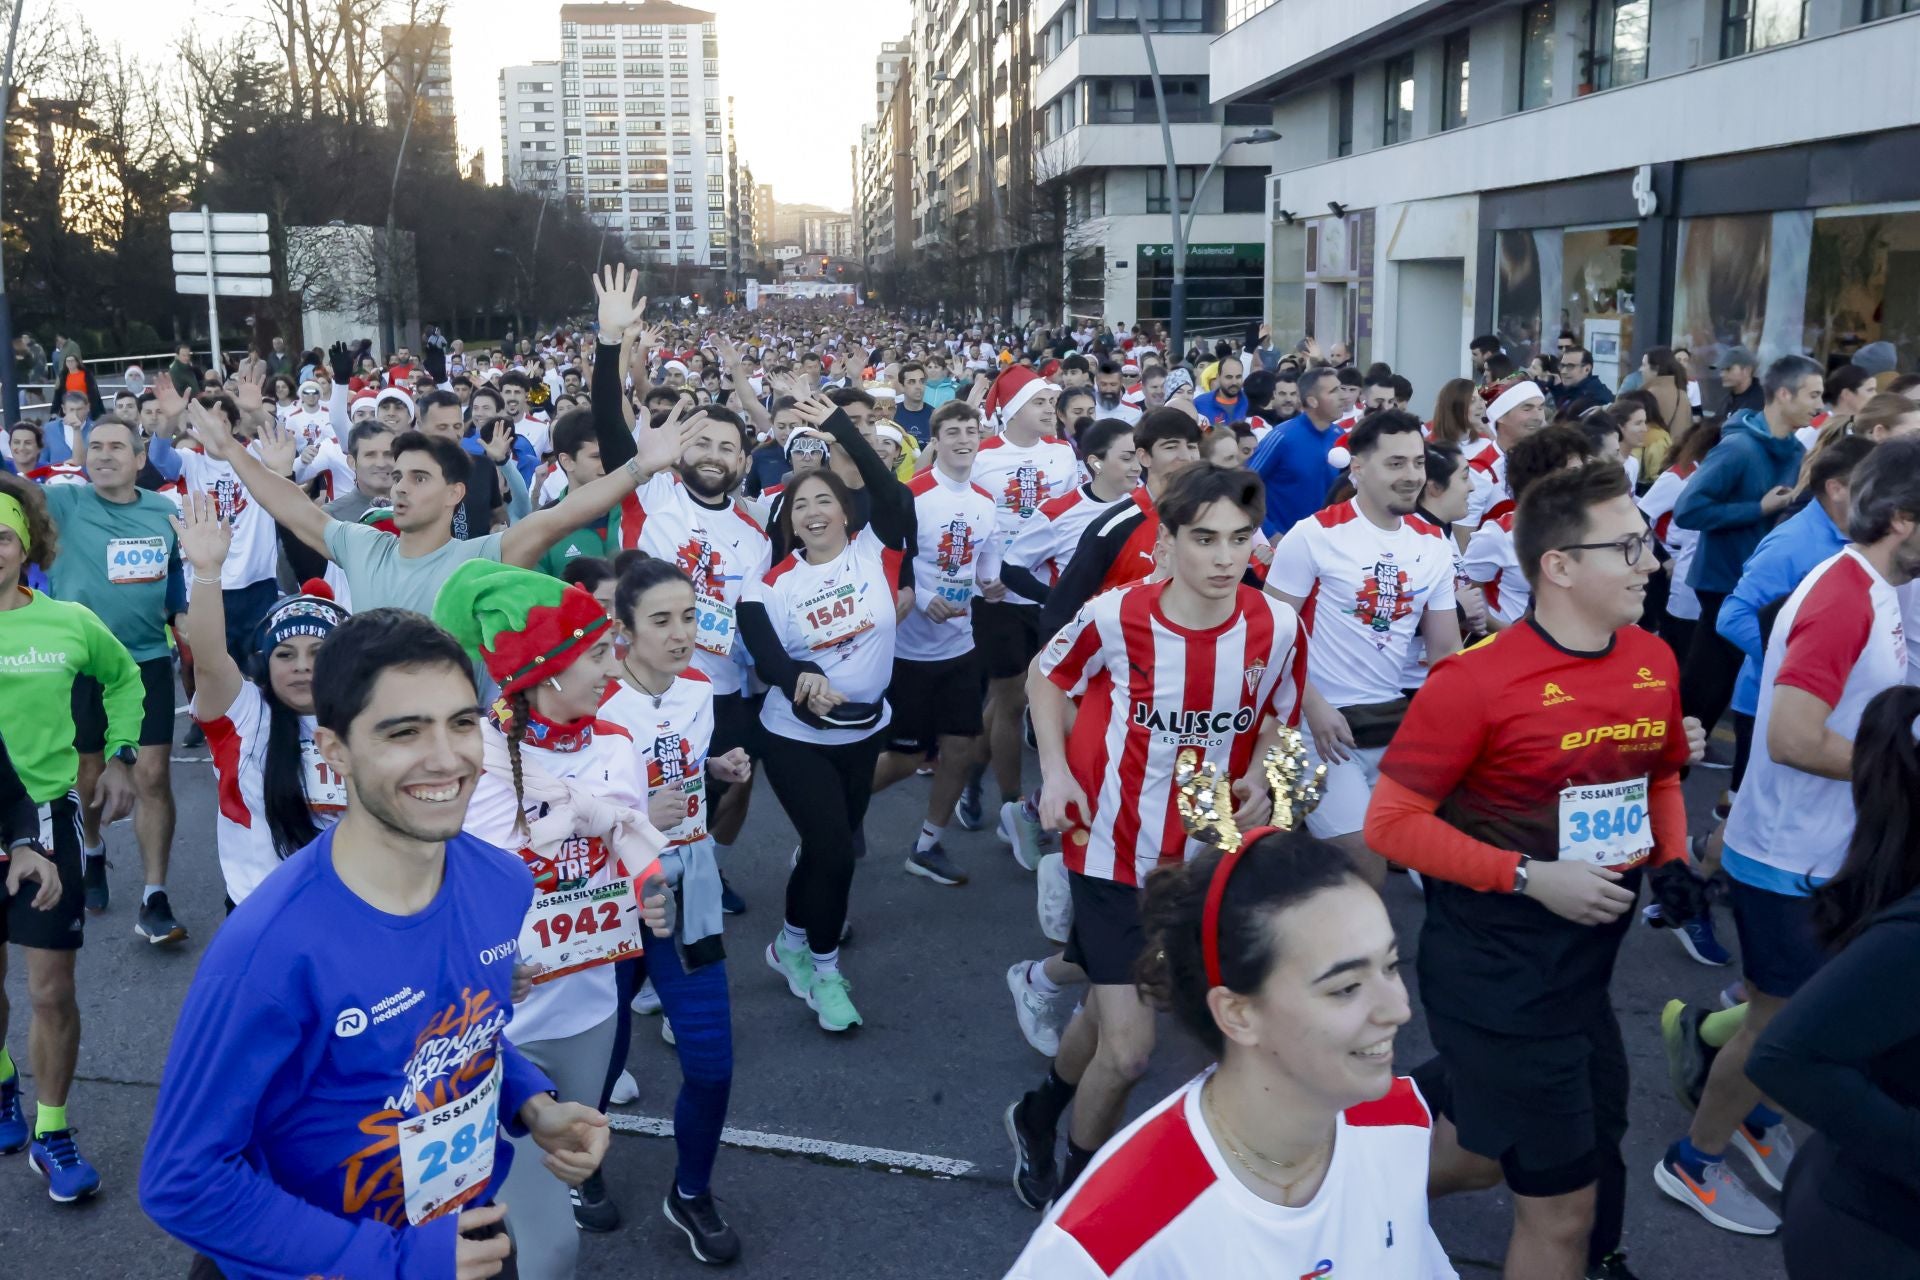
[1505, 399]
[1011, 390]
[361, 400]
[525, 626]
[396, 395]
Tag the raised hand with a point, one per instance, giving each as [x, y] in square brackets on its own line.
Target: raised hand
[204, 536]
[660, 447]
[167, 396]
[210, 427]
[278, 446]
[618, 290]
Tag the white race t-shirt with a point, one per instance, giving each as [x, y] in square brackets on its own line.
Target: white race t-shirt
[1487, 471]
[1492, 563]
[721, 550]
[671, 742]
[238, 744]
[254, 555]
[1046, 543]
[1019, 479]
[1657, 506]
[1162, 1202]
[1366, 591]
[955, 523]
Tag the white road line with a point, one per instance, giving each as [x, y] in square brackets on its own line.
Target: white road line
[180, 711]
[837, 1152]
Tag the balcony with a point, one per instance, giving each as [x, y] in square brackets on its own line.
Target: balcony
[1106, 146]
[1289, 38]
[1120, 55]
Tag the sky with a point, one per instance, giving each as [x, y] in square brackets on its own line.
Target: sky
[800, 72]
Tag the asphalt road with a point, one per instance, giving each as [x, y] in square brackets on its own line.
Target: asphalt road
[928, 1075]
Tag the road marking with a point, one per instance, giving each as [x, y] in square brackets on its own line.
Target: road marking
[813, 1148]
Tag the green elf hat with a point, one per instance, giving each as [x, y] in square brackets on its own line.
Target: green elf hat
[525, 626]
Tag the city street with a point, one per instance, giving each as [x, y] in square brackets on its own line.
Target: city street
[881, 1155]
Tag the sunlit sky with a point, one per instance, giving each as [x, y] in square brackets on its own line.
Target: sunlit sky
[800, 71]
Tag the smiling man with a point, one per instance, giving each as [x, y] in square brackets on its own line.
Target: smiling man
[340, 1092]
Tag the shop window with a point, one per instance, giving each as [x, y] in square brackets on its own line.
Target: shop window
[1617, 47]
[1741, 280]
[1397, 113]
[1578, 280]
[1536, 54]
[1760, 24]
[1454, 81]
[1863, 285]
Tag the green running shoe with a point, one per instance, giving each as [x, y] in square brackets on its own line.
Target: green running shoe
[828, 997]
[795, 966]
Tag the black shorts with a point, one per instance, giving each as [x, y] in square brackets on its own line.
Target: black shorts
[1546, 1107]
[1107, 936]
[932, 700]
[156, 715]
[1779, 949]
[60, 928]
[1006, 636]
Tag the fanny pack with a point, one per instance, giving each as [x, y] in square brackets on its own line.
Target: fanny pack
[848, 715]
[1374, 723]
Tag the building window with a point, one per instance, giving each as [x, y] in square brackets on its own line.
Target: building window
[1157, 189]
[1536, 54]
[1343, 111]
[1245, 190]
[1238, 11]
[1132, 101]
[1162, 15]
[1454, 80]
[1877, 9]
[1761, 24]
[1397, 115]
[1617, 51]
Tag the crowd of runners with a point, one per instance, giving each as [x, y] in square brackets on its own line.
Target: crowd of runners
[488, 647]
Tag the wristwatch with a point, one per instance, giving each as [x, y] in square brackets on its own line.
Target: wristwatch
[126, 756]
[1520, 874]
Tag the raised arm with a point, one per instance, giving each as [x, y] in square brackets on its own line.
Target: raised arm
[620, 307]
[268, 485]
[524, 543]
[204, 540]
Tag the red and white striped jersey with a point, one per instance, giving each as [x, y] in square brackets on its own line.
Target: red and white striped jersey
[1019, 479]
[1162, 1202]
[1150, 689]
[1045, 543]
[1492, 562]
[956, 552]
[1367, 590]
[1487, 469]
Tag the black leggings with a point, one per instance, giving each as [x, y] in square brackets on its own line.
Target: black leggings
[824, 790]
[1711, 664]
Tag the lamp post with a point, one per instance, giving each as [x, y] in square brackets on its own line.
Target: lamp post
[9, 380]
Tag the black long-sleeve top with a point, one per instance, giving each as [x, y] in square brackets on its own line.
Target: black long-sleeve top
[1844, 1056]
[19, 816]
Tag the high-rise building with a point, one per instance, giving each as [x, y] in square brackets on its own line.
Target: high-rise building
[763, 210]
[888, 66]
[645, 149]
[530, 126]
[419, 78]
[883, 205]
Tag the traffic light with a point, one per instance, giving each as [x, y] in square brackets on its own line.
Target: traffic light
[823, 264]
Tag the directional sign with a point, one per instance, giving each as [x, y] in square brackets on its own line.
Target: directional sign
[226, 286]
[226, 264]
[221, 222]
[223, 242]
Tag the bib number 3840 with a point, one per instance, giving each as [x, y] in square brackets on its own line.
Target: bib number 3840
[446, 1154]
[1606, 824]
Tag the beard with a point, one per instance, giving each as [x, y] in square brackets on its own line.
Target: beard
[701, 486]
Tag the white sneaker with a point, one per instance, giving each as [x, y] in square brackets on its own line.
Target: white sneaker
[645, 1002]
[666, 1031]
[1033, 1010]
[626, 1089]
[1054, 899]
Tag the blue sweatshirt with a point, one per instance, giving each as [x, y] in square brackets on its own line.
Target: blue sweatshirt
[1790, 551]
[315, 1023]
[1722, 499]
[1292, 460]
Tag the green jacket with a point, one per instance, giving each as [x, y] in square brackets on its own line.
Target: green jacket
[45, 645]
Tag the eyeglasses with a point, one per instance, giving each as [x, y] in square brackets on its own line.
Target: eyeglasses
[1630, 549]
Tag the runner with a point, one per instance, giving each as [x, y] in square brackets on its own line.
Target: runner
[820, 628]
[1197, 663]
[352, 1009]
[1839, 640]
[1491, 560]
[1443, 503]
[1515, 410]
[1046, 543]
[666, 705]
[121, 561]
[1282, 962]
[1565, 805]
[1366, 575]
[938, 681]
[46, 645]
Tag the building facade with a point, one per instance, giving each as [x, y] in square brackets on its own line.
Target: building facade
[645, 138]
[883, 203]
[419, 78]
[531, 124]
[1633, 172]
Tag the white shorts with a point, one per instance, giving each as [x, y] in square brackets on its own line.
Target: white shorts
[1347, 791]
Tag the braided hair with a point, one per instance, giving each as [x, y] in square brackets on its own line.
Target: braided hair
[519, 711]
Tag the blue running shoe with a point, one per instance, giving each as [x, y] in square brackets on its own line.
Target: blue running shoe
[1697, 936]
[56, 1157]
[968, 811]
[13, 1124]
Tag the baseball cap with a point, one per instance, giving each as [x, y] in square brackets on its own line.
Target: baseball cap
[1737, 356]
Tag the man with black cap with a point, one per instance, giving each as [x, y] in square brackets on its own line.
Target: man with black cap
[1739, 375]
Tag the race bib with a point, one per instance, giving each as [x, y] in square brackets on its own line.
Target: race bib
[1606, 824]
[326, 790]
[446, 1154]
[573, 929]
[713, 626]
[834, 616]
[132, 560]
[694, 825]
[957, 592]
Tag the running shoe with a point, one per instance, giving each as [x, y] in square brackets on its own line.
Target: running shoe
[13, 1123]
[708, 1235]
[1696, 936]
[626, 1090]
[55, 1157]
[666, 1031]
[968, 811]
[731, 903]
[1022, 832]
[935, 865]
[1769, 1152]
[1034, 1010]
[795, 965]
[1717, 1195]
[593, 1209]
[1034, 1177]
[1612, 1267]
[156, 923]
[645, 1001]
[828, 997]
[1733, 995]
[1688, 1058]
[93, 878]
[196, 736]
[1054, 899]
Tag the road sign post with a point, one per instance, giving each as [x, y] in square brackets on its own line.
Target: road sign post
[223, 255]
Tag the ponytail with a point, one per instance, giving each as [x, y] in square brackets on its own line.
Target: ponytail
[1883, 860]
